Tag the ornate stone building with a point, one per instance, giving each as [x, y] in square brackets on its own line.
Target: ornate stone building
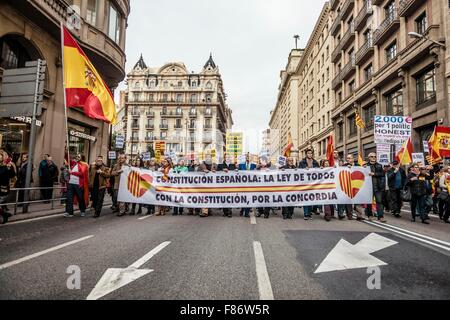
[30, 30]
[186, 110]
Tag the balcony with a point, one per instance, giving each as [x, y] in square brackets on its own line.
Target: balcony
[207, 126]
[177, 126]
[349, 69]
[407, 7]
[334, 4]
[337, 53]
[193, 114]
[364, 53]
[134, 139]
[337, 81]
[134, 126]
[208, 114]
[386, 28]
[192, 126]
[150, 114]
[363, 15]
[149, 126]
[171, 114]
[347, 8]
[135, 114]
[348, 37]
[164, 126]
[149, 139]
[336, 26]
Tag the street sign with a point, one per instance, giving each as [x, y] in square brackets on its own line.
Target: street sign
[120, 140]
[22, 89]
[392, 129]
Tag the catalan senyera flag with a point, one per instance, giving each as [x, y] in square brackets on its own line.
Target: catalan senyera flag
[359, 121]
[83, 85]
[404, 156]
[290, 145]
[434, 146]
[330, 151]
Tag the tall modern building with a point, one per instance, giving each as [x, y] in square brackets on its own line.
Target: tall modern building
[380, 69]
[186, 110]
[30, 30]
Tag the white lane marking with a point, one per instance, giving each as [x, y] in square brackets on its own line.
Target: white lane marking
[149, 255]
[35, 255]
[264, 286]
[252, 218]
[417, 234]
[31, 220]
[143, 218]
[115, 278]
[407, 235]
[430, 215]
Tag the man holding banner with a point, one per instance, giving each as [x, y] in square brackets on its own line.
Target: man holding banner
[378, 183]
[396, 181]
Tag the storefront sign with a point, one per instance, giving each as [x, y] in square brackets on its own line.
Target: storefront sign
[392, 129]
[82, 135]
[27, 120]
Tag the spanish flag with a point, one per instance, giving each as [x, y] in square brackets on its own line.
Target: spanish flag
[290, 145]
[83, 85]
[404, 156]
[330, 151]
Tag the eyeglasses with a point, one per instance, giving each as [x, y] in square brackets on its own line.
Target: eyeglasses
[372, 156]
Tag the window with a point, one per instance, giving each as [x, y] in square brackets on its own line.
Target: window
[208, 111]
[352, 129]
[208, 97]
[165, 97]
[194, 84]
[351, 87]
[193, 98]
[152, 84]
[323, 121]
[163, 135]
[394, 103]
[340, 132]
[208, 85]
[179, 97]
[390, 11]
[12, 54]
[166, 84]
[164, 110]
[114, 24]
[368, 37]
[391, 52]
[369, 114]
[178, 124]
[150, 97]
[179, 111]
[421, 23]
[180, 84]
[426, 86]
[91, 15]
[368, 72]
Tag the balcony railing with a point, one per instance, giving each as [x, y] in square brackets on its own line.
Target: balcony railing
[388, 24]
[208, 114]
[408, 6]
[337, 53]
[363, 15]
[208, 126]
[334, 4]
[134, 126]
[192, 114]
[335, 27]
[347, 8]
[135, 113]
[348, 37]
[177, 126]
[164, 126]
[149, 126]
[150, 113]
[349, 68]
[149, 139]
[134, 139]
[364, 52]
[337, 81]
[192, 126]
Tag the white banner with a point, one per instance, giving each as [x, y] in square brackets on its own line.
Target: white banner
[392, 129]
[243, 189]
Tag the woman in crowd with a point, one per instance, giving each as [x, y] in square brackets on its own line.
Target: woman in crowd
[180, 168]
[166, 166]
[7, 173]
[264, 165]
[151, 166]
[329, 208]
[417, 180]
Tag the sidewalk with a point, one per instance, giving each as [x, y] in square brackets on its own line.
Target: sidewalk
[37, 210]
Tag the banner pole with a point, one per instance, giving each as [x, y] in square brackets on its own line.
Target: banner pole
[64, 95]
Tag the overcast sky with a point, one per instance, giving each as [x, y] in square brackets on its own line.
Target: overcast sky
[250, 41]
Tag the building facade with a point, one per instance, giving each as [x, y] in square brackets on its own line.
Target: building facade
[188, 111]
[30, 30]
[315, 95]
[265, 147]
[284, 117]
[379, 69]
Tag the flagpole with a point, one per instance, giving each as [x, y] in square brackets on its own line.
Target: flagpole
[64, 95]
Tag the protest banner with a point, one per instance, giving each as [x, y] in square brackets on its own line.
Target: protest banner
[282, 161]
[120, 140]
[247, 189]
[112, 155]
[146, 156]
[384, 154]
[418, 157]
[392, 129]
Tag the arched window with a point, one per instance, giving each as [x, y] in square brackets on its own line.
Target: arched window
[208, 85]
[15, 51]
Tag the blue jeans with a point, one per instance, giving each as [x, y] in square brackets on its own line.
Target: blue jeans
[74, 190]
[379, 200]
[418, 206]
[307, 211]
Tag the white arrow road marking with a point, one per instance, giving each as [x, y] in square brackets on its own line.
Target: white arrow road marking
[115, 278]
[264, 286]
[37, 254]
[252, 218]
[346, 256]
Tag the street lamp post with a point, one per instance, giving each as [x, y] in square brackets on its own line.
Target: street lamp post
[422, 36]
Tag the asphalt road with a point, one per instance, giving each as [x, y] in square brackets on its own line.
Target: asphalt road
[226, 259]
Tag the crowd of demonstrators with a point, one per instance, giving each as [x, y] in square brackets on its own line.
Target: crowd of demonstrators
[429, 186]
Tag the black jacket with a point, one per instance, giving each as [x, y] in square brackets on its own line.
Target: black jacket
[379, 178]
[391, 178]
[223, 166]
[50, 174]
[418, 187]
[287, 167]
[6, 174]
[304, 165]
